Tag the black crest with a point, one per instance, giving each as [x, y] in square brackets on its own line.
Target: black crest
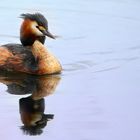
[39, 18]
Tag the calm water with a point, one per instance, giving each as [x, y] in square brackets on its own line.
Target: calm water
[97, 97]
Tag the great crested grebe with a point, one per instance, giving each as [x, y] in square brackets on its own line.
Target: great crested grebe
[31, 56]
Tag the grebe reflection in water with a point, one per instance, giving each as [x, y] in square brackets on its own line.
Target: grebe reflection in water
[32, 107]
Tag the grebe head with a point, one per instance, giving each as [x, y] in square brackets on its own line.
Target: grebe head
[34, 27]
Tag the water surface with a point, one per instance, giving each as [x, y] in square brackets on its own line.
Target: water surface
[97, 95]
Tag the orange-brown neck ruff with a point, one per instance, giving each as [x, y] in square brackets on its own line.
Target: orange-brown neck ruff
[27, 34]
[47, 62]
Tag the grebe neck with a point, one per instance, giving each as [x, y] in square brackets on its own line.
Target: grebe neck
[29, 40]
[47, 62]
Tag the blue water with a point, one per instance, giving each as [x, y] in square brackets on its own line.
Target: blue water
[97, 96]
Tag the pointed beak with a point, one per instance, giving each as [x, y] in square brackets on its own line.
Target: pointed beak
[47, 33]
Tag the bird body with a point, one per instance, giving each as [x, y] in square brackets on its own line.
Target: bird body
[31, 56]
[35, 59]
